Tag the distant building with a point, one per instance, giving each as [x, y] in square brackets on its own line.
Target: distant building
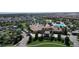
[47, 27]
[59, 24]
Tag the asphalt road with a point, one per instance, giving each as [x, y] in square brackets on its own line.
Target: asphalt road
[23, 42]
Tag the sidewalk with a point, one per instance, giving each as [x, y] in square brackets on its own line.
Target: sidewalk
[74, 40]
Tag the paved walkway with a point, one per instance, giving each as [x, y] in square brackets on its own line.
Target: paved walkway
[74, 40]
[23, 42]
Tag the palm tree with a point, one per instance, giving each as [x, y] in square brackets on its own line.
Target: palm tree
[65, 30]
[42, 35]
[51, 36]
[30, 39]
[36, 36]
[59, 37]
[78, 36]
[67, 41]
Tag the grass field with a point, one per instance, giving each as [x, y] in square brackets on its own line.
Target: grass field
[46, 43]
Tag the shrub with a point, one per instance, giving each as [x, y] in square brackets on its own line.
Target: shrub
[40, 38]
[36, 36]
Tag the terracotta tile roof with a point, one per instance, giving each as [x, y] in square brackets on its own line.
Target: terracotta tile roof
[37, 27]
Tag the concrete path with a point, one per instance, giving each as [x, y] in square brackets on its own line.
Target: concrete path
[74, 40]
[23, 42]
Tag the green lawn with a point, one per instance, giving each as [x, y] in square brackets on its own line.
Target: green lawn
[46, 43]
